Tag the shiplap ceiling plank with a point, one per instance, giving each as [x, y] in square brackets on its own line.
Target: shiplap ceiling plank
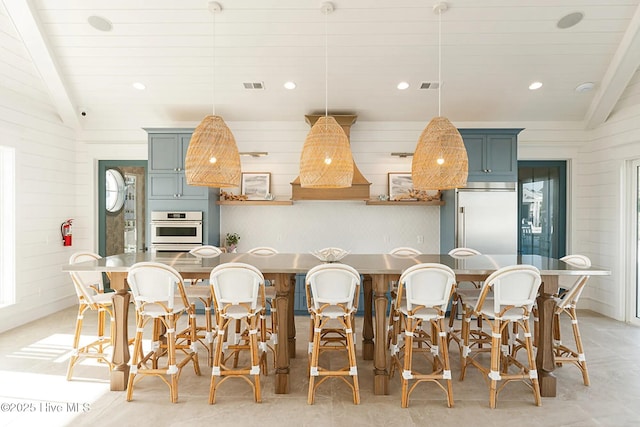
[492, 50]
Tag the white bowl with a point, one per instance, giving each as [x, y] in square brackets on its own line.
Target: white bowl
[330, 254]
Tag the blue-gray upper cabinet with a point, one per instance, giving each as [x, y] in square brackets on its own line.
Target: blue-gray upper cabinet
[166, 168]
[492, 153]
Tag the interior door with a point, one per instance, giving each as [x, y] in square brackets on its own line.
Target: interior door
[114, 227]
[542, 208]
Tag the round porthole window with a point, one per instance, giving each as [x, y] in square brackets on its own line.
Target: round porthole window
[114, 186]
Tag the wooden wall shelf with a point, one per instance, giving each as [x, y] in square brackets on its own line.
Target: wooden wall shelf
[290, 202]
[255, 202]
[405, 203]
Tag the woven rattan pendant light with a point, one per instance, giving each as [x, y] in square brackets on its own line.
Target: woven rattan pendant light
[212, 158]
[440, 160]
[326, 160]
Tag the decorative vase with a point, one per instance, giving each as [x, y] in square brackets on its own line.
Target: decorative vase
[231, 249]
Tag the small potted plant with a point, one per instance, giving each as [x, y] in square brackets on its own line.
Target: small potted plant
[232, 241]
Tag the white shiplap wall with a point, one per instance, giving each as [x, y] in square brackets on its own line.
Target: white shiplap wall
[45, 164]
[601, 229]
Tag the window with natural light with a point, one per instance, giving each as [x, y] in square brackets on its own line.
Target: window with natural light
[7, 225]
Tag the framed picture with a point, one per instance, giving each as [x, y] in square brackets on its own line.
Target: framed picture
[256, 185]
[400, 184]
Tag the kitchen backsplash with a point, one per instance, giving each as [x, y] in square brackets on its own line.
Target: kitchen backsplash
[307, 225]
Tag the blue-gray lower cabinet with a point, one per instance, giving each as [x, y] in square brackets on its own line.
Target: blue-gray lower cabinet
[300, 298]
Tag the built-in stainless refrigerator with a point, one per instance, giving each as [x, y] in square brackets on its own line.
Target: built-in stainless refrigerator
[486, 217]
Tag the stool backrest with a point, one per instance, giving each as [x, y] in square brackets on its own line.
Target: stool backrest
[514, 285]
[262, 250]
[333, 284]
[463, 252]
[404, 251]
[573, 287]
[427, 284]
[155, 283]
[86, 283]
[206, 251]
[237, 283]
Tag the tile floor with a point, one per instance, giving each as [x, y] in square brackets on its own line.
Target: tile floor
[33, 389]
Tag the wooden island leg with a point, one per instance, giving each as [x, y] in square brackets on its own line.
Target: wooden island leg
[292, 317]
[380, 368]
[367, 324]
[283, 291]
[120, 371]
[545, 362]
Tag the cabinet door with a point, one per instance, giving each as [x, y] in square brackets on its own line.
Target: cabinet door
[184, 146]
[501, 158]
[475, 154]
[163, 186]
[492, 154]
[191, 191]
[165, 153]
[188, 191]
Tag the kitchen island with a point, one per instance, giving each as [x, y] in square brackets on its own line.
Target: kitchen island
[378, 271]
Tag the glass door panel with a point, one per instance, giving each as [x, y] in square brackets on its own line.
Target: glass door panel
[542, 208]
[637, 238]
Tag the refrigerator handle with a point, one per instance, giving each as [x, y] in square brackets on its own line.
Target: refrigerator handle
[461, 228]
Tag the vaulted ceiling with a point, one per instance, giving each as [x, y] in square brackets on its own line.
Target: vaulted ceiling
[193, 61]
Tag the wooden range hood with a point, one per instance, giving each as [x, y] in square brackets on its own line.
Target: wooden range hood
[359, 189]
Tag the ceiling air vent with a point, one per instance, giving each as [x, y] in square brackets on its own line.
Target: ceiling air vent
[429, 85]
[253, 85]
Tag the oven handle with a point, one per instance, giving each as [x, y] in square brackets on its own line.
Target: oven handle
[177, 223]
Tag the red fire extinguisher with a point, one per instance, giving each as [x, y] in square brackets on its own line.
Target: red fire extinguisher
[65, 230]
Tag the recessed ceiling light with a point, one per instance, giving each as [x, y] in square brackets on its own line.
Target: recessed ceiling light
[139, 86]
[570, 20]
[585, 87]
[290, 85]
[100, 23]
[403, 85]
[535, 86]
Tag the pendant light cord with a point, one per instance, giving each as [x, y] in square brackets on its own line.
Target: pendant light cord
[439, 60]
[326, 67]
[213, 92]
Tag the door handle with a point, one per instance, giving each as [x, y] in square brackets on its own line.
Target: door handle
[461, 228]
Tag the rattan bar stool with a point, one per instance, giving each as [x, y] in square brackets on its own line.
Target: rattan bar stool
[90, 290]
[158, 293]
[424, 292]
[238, 295]
[332, 293]
[270, 296]
[465, 293]
[515, 289]
[394, 328]
[570, 289]
[199, 293]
